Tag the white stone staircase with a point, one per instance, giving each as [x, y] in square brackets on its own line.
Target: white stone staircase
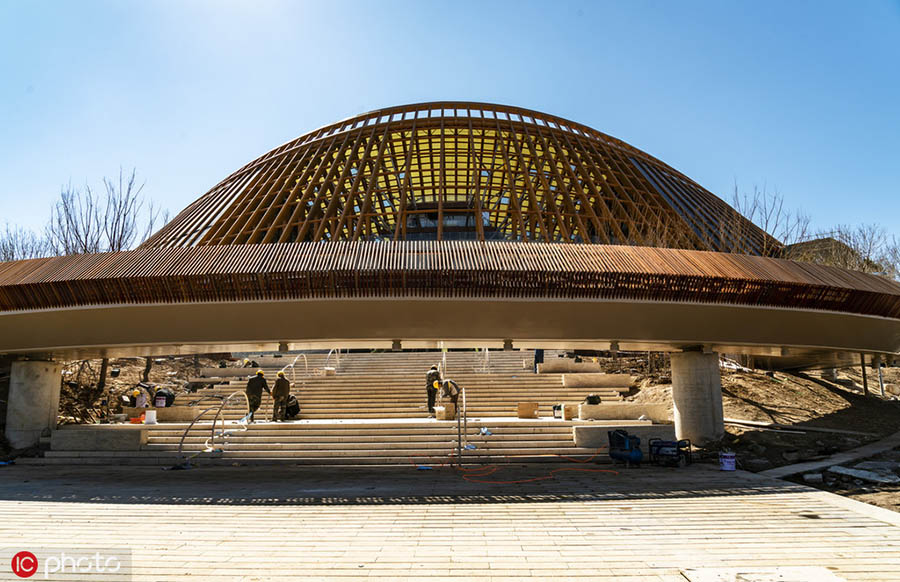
[392, 385]
[356, 442]
[372, 411]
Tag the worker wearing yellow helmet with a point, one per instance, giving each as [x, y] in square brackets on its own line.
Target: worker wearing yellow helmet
[281, 391]
[255, 387]
[139, 397]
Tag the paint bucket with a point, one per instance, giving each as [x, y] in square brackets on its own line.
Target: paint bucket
[726, 461]
[150, 417]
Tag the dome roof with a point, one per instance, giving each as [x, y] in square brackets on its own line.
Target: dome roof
[461, 171]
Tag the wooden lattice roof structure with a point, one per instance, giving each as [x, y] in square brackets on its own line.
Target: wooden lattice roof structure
[463, 222]
[461, 171]
[436, 269]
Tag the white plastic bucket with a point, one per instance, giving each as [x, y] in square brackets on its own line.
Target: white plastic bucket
[150, 417]
[726, 461]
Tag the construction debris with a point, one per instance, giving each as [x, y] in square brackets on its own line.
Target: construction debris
[798, 429]
[871, 476]
[813, 477]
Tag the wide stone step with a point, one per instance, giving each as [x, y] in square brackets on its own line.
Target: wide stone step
[418, 394]
[165, 459]
[408, 395]
[387, 406]
[368, 448]
[421, 423]
[408, 453]
[497, 432]
[348, 439]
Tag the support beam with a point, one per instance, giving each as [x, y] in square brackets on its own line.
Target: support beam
[33, 401]
[862, 363]
[697, 397]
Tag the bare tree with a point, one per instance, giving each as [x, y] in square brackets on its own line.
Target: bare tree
[865, 247]
[18, 243]
[892, 259]
[75, 225]
[129, 217]
[83, 221]
[767, 211]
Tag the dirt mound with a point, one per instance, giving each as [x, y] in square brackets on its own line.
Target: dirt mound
[802, 400]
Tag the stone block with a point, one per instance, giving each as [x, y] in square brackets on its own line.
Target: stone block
[177, 413]
[570, 411]
[597, 380]
[596, 437]
[171, 413]
[813, 477]
[567, 365]
[445, 412]
[98, 438]
[209, 373]
[624, 411]
[527, 409]
[884, 478]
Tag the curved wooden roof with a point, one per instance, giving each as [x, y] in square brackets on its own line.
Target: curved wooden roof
[459, 269]
[461, 171]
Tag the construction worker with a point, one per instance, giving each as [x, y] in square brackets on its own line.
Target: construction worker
[255, 387]
[538, 359]
[449, 390]
[281, 391]
[432, 381]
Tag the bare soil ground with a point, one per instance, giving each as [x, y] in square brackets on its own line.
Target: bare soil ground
[82, 401]
[802, 400]
[886, 496]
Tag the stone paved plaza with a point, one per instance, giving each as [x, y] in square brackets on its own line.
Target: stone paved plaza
[280, 522]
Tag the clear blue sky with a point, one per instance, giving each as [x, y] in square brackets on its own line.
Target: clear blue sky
[801, 96]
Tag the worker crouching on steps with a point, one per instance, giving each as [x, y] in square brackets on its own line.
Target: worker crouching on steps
[255, 387]
[281, 391]
[449, 391]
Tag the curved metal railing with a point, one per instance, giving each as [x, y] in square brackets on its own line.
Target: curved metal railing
[209, 444]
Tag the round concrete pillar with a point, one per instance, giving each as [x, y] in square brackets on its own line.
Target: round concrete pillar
[33, 403]
[697, 397]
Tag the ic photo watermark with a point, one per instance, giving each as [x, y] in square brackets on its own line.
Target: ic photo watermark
[32, 563]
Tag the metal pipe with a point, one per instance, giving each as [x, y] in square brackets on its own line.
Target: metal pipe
[458, 439]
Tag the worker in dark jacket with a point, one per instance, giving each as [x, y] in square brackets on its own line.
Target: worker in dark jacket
[280, 393]
[255, 387]
[433, 375]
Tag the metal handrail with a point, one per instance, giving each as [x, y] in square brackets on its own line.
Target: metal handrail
[337, 358]
[462, 423]
[209, 445]
[293, 367]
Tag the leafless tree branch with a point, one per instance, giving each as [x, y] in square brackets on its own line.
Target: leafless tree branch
[83, 221]
[18, 243]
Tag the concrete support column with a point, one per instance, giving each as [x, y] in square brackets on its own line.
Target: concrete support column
[33, 401]
[697, 396]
